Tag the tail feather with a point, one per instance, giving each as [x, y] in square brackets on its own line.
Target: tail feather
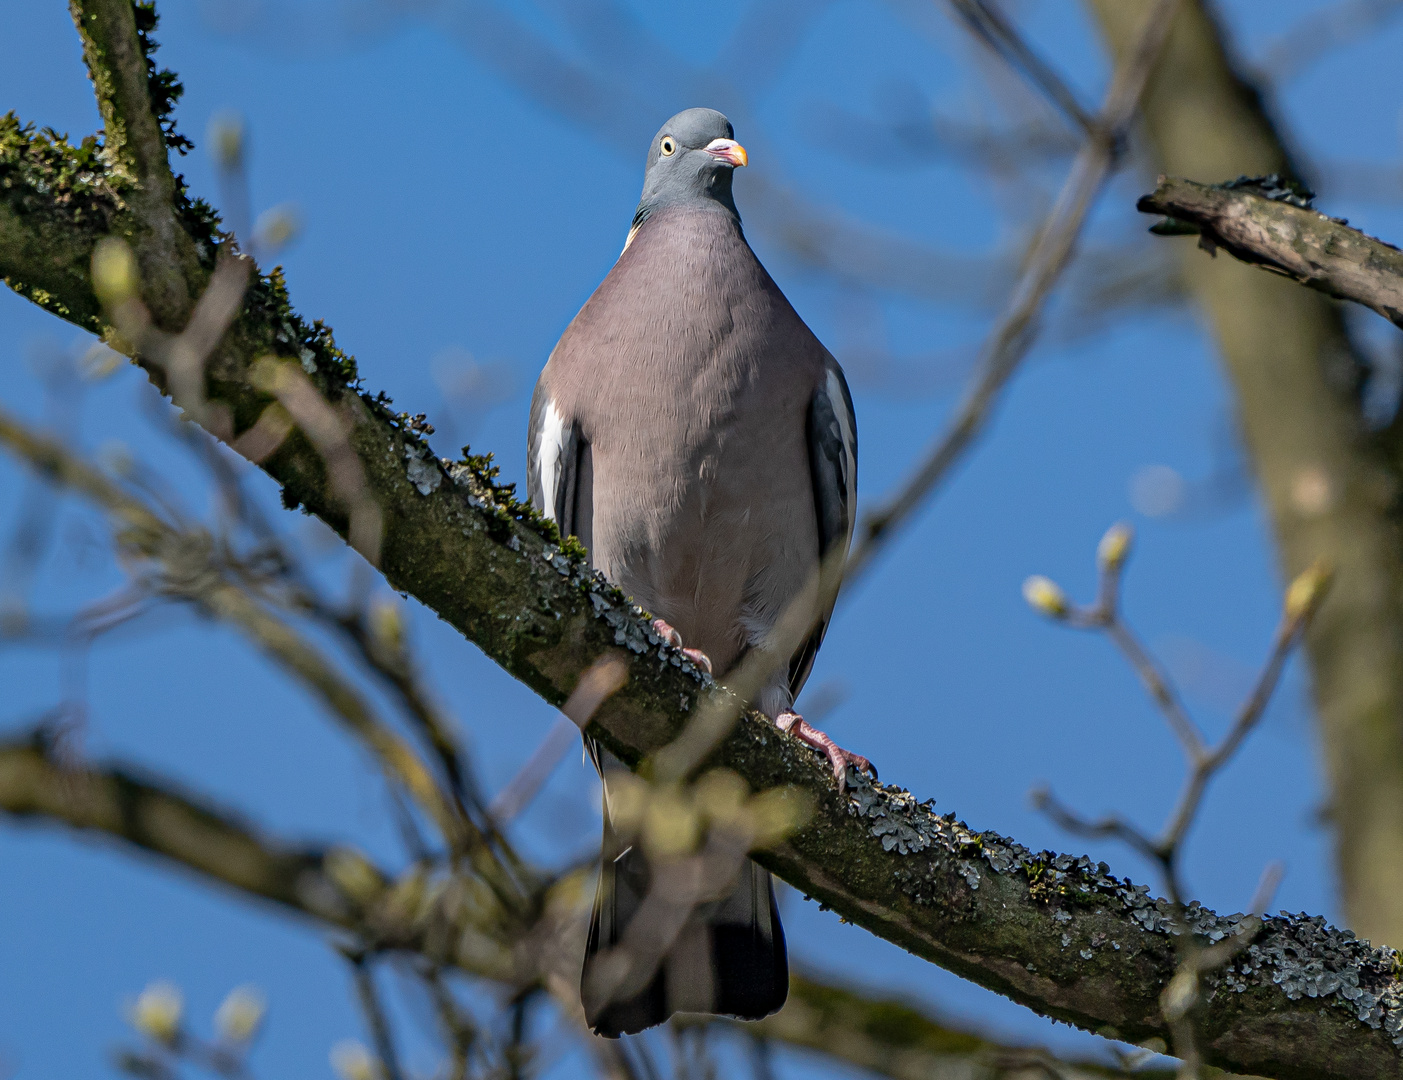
[730, 958]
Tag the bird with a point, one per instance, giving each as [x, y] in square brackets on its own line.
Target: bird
[699, 441]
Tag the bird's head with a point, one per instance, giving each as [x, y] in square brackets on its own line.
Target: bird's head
[691, 160]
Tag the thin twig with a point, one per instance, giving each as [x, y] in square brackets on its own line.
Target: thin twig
[458, 1029]
[990, 25]
[1051, 251]
[1181, 998]
[375, 1019]
[1322, 30]
[527, 783]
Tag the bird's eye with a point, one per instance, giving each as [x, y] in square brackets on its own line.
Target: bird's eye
[669, 146]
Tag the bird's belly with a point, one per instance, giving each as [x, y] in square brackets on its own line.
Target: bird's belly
[717, 547]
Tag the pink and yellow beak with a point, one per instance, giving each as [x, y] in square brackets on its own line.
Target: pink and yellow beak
[728, 150]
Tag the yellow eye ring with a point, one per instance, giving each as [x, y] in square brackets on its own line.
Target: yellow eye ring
[669, 146]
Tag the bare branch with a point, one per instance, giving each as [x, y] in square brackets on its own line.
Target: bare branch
[1317, 33]
[1051, 251]
[991, 26]
[1317, 251]
[157, 817]
[369, 998]
[191, 571]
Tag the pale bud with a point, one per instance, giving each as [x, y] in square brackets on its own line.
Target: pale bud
[277, 227]
[226, 139]
[1114, 546]
[158, 1010]
[353, 874]
[722, 795]
[352, 1061]
[1307, 591]
[1045, 595]
[627, 797]
[406, 896]
[239, 1016]
[115, 276]
[387, 624]
[671, 826]
[1179, 996]
[777, 813]
[99, 361]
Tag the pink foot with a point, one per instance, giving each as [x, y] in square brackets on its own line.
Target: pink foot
[669, 634]
[792, 723]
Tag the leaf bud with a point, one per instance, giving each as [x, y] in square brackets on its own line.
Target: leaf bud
[115, 276]
[1307, 591]
[226, 139]
[240, 1014]
[1111, 552]
[353, 874]
[352, 1061]
[671, 825]
[1045, 595]
[387, 624]
[158, 1010]
[1179, 996]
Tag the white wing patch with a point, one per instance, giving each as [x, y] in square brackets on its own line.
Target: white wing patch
[552, 449]
[849, 436]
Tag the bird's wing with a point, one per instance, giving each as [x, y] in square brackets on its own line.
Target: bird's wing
[832, 436]
[556, 464]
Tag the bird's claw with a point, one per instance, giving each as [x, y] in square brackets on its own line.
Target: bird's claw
[792, 723]
[669, 634]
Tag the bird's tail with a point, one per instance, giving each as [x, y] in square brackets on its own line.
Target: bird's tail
[728, 959]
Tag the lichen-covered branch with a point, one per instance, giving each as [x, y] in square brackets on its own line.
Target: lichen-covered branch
[895, 1038]
[1056, 933]
[1321, 252]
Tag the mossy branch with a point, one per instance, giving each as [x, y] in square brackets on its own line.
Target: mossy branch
[1055, 933]
[897, 1038]
[1282, 233]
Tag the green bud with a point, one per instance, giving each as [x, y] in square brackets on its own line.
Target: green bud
[115, 276]
[1046, 596]
[1114, 546]
[239, 1016]
[158, 1010]
[226, 140]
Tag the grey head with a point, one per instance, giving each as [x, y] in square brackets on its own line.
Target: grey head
[690, 163]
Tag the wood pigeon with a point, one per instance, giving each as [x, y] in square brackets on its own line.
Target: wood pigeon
[700, 442]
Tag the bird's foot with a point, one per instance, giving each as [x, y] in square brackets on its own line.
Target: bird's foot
[668, 633]
[792, 723]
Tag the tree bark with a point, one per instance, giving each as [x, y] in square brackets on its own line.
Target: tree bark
[1329, 483]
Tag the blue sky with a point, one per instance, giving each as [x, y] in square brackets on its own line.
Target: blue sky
[460, 196]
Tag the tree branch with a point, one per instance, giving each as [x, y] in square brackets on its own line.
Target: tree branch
[975, 903]
[1320, 252]
[896, 1038]
[155, 816]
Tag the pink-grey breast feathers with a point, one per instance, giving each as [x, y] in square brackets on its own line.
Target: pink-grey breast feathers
[699, 440]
